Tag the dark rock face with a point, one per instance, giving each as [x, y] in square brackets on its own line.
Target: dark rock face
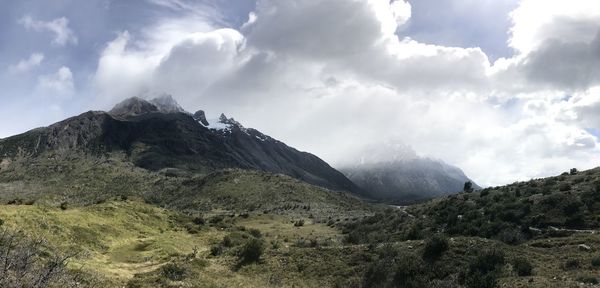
[156, 140]
[408, 180]
[200, 117]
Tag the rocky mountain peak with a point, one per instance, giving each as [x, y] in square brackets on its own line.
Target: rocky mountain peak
[223, 119]
[133, 106]
[166, 104]
[200, 116]
[136, 106]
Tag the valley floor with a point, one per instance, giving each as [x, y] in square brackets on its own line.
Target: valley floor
[130, 243]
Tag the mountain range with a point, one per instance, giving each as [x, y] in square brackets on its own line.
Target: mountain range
[158, 134]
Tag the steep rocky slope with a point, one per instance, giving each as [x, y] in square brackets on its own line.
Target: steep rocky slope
[158, 134]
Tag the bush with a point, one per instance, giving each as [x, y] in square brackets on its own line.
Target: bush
[217, 219]
[26, 262]
[511, 236]
[216, 250]
[255, 233]
[522, 266]
[410, 273]
[588, 279]
[483, 271]
[252, 251]
[571, 264]
[488, 261]
[227, 242]
[378, 273]
[174, 272]
[1, 222]
[435, 247]
[199, 221]
[564, 187]
[596, 261]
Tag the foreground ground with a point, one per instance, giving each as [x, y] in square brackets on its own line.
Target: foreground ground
[126, 242]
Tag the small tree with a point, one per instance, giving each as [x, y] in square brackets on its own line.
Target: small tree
[483, 271]
[522, 266]
[435, 247]
[468, 187]
[252, 251]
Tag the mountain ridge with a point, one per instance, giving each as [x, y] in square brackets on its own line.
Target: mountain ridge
[163, 135]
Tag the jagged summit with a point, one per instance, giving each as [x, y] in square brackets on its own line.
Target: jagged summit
[166, 104]
[133, 106]
[136, 106]
[200, 117]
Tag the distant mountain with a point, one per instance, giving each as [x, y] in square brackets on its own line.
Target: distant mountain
[395, 174]
[158, 135]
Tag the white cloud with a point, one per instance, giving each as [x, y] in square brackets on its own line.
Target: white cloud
[331, 76]
[63, 35]
[58, 84]
[401, 11]
[25, 65]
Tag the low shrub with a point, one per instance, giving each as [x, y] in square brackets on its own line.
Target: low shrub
[198, 220]
[587, 279]
[564, 187]
[483, 271]
[216, 250]
[251, 251]
[571, 264]
[255, 233]
[596, 261]
[522, 267]
[174, 272]
[435, 247]
[511, 236]
[227, 242]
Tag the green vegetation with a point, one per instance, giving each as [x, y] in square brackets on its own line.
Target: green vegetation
[522, 267]
[434, 247]
[252, 251]
[126, 226]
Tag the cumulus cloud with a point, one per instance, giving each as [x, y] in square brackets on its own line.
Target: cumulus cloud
[57, 84]
[25, 65]
[63, 35]
[557, 45]
[332, 76]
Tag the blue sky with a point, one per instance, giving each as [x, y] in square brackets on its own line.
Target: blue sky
[475, 83]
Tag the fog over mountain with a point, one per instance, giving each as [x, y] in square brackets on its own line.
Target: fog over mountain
[394, 173]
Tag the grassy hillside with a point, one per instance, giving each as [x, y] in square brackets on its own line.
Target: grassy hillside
[84, 180]
[539, 233]
[126, 226]
[129, 241]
